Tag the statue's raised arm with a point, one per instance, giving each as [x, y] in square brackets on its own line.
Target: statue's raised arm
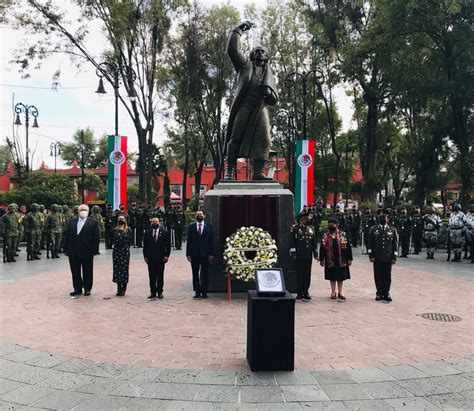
[248, 130]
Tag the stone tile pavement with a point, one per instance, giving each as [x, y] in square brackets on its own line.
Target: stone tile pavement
[104, 352]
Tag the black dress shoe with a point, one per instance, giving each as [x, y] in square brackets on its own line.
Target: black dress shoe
[87, 292]
[204, 295]
[307, 297]
[160, 295]
[299, 296]
[197, 295]
[378, 297]
[74, 293]
[388, 298]
[152, 297]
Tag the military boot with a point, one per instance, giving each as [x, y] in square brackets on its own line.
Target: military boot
[231, 160]
[257, 173]
[230, 172]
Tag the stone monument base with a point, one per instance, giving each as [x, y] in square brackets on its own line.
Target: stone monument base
[265, 204]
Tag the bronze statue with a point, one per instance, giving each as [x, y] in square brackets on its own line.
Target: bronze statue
[248, 130]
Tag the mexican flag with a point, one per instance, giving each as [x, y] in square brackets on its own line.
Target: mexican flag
[304, 176]
[117, 172]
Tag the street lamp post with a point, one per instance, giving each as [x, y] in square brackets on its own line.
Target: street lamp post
[347, 178]
[82, 148]
[27, 110]
[113, 72]
[290, 81]
[55, 151]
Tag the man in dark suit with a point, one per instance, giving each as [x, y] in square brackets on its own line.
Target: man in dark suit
[81, 243]
[200, 253]
[156, 251]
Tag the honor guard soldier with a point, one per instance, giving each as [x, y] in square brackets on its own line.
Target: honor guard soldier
[431, 226]
[456, 227]
[305, 241]
[54, 230]
[355, 226]
[96, 215]
[178, 225]
[341, 218]
[368, 221]
[140, 225]
[109, 226]
[382, 249]
[404, 227]
[132, 219]
[33, 232]
[417, 230]
[9, 234]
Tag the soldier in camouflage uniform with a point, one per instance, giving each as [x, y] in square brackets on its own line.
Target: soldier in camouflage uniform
[21, 214]
[9, 233]
[33, 232]
[456, 227]
[305, 248]
[470, 231]
[431, 226]
[42, 216]
[417, 230]
[404, 227]
[54, 230]
[368, 221]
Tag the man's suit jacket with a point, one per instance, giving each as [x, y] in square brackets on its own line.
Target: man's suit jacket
[156, 250]
[84, 245]
[200, 245]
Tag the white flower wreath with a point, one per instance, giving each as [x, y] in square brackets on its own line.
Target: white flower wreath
[239, 266]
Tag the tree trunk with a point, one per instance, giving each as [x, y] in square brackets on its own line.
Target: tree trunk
[369, 189]
[197, 179]
[186, 165]
[142, 160]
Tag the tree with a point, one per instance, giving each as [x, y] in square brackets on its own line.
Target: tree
[43, 189]
[5, 157]
[135, 31]
[83, 140]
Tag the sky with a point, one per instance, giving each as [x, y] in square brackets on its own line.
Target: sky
[75, 104]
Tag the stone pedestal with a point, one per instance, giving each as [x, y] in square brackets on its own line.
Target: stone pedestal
[264, 204]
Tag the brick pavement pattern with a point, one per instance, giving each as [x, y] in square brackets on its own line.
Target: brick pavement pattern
[181, 333]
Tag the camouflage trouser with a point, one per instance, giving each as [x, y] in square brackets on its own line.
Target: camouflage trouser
[35, 239]
[431, 238]
[10, 246]
[18, 239]
[457, 239]
[55, 242]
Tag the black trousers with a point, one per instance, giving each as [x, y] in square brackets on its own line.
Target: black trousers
[417, 244]
[355, 237]
[108, 237]
[303, 275]
[156, 271]
[134, 235]
[405, 243]
[366, 240]
[178, 237]
[139, 236]
[383, 277]
[200, 268]
[84, 265]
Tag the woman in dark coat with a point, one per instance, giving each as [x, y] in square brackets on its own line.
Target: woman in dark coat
[335, 255]
[121, 240]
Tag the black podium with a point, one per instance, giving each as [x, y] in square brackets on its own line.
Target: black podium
[271, 332]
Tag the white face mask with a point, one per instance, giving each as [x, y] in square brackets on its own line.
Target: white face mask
[83, 213]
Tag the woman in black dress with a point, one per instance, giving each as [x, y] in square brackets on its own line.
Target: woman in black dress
[122, 240]
[335, 255]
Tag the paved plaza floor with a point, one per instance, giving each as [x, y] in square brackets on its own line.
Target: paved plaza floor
[108, 352]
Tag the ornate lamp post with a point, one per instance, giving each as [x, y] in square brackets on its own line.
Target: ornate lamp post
[27, 110]
[290, 82]
[114, 73]
[55, 151]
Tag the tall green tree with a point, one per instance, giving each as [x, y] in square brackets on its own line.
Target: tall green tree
[135, 31]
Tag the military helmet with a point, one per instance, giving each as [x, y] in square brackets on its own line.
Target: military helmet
[96, 209]
[54, 207]
[75, 210]
[457, 207]
[65, 208]
[34, 207]
[41, 207]
[11, 207]
[15, 206]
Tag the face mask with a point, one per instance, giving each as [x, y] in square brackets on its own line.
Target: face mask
[155, 226]
[383, 221]
[199, 218]
[332, 228]
[83, 213]
[121, 222]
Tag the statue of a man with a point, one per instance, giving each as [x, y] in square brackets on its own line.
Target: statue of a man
[248, 130]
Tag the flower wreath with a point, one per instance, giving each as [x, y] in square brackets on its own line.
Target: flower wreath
[245, 239]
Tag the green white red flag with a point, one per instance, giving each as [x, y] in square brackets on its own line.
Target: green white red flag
[117, 172]
[304, 176]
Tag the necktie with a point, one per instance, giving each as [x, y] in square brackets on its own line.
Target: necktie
[154, 236]
[200, 229]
